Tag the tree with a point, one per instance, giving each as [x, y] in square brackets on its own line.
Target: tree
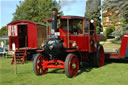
[122, 6]
[93, 12]
[35, 10]
[3, 31]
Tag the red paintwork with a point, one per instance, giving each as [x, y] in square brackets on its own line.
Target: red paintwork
[101, 50]
[123, 48]
[73, 60]
[73, 50]
[113, 55]
[46, 64]
[31, 34]
[82, 41]
[40, 68]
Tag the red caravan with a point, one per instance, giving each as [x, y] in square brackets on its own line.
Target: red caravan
[72, 41]
[25, 38]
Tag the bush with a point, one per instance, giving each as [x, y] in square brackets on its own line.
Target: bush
[109, 30]
[98, 29]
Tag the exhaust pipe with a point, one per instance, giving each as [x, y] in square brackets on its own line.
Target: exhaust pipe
[54, 18]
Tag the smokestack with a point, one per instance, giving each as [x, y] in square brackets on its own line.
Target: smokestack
[54, 18]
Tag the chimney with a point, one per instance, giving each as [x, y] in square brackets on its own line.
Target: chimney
[54, 18]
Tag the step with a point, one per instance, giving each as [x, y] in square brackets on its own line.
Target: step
[19, 59]
[19, 56]
[19, 62]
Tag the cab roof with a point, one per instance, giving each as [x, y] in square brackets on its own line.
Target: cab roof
[65, 17]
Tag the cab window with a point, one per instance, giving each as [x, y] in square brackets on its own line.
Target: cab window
[76, 27]
[86, 26]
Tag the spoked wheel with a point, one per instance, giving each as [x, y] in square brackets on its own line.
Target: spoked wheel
[38, 64]
[99, 57]
[71, 65]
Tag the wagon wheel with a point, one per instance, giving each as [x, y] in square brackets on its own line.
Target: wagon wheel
[71, 65]
[99, 57]
[38, 64]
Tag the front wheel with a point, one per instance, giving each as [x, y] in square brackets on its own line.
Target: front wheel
[71, 65]
[38, 64]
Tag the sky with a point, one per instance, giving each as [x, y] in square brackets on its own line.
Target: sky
[69, 7]
[7, 8]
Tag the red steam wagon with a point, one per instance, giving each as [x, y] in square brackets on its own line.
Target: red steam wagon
[25, 37]
[72, 41]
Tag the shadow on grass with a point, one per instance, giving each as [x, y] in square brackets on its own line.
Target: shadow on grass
[89, 68]
[58, 71]
[85, 69]
[109, 61]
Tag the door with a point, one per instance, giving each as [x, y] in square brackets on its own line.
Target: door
[92, 36]
[23, 37]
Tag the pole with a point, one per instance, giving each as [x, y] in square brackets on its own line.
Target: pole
[68, 31]
[15, 67]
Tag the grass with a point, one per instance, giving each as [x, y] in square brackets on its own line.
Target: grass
[113, 73]
[110, 47]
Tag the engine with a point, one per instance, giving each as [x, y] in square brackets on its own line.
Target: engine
[54, 48]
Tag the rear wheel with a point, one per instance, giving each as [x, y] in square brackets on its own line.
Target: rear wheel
[71, 65]
[38, 64]
[99, 57]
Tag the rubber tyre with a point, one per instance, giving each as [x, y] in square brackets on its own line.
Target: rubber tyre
[99, 56]
[37, 58]
[71, 60]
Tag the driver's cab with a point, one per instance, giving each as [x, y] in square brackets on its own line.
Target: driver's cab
[75, 31]
[75, 25]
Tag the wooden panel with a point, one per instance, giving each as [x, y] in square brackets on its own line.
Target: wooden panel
[41, 35]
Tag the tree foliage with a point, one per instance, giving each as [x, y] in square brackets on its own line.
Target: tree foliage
[122, 6]
[109, 30]
[93, 12]
[3, 31]
[34, 10]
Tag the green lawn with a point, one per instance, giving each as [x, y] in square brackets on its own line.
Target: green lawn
[113, 73]
[110, 47]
